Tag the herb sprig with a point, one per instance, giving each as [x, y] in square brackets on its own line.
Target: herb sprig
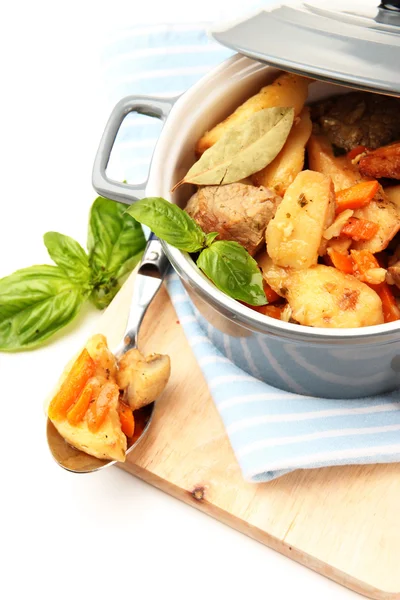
[229, 266]
[38, 301]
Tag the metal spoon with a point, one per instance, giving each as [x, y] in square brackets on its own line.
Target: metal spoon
[148, 280]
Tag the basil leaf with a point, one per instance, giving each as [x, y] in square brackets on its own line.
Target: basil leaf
[35, 303]
[69, 255]
[170, 223]
[233, 271]
[115, 244]
[210, 237]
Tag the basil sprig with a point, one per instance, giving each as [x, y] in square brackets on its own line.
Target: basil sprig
[115, 245]
[40, 300]
[229, 266]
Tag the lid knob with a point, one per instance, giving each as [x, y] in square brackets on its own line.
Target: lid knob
[391, 5]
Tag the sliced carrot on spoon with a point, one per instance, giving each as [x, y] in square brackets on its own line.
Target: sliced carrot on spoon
[98, 410]
[82, 369]
[89, 393]
[127, 419]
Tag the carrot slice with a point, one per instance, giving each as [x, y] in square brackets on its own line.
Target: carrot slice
[82, 369]
[359, 229]
[270, 310]
[390, 309]
[356, 196]
[127, 419]
[141, 417]
[363, 261]
[98, 410]
[343, 262]
[356, 151]
[270, 294]
[88, 394]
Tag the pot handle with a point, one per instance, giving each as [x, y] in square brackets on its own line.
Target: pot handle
[144, 105]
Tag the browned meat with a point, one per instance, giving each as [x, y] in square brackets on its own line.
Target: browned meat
[383, 162]
[358, 119]
[393, 274]
[237, 211]
[393, 271]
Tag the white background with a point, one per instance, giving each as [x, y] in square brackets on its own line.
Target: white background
[106, 535]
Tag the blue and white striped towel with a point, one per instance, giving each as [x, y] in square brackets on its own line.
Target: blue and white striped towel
[272, 432]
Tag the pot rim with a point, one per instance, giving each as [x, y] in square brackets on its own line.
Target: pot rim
[191, 274]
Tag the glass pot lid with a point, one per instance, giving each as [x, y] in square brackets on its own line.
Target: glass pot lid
[357, 44]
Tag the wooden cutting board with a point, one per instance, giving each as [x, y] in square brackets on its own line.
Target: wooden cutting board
[343, 522]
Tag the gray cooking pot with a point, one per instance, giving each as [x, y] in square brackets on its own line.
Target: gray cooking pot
[332, 363]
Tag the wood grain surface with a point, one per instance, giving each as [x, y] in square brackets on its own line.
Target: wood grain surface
[343, 522]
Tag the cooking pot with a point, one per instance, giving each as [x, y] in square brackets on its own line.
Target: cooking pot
[331, 363]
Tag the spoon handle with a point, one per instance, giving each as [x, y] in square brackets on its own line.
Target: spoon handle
[152, 270]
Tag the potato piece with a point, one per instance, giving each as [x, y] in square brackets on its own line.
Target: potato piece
[106, 364]
[142, 379]
[286, 90]
[324, 297]
[294, 235]
[334, 230]
[344, 174]
[340, 244]
[279, 174]
[339, 168]
[276, 277]
[108, 443]
[393, 195]
[386, 215]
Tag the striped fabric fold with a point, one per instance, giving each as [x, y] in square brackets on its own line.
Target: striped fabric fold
[271, 432]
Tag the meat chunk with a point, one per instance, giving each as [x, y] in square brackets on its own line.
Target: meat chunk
[237, 211]
[393, 272]
[358, 119]
[383, 162]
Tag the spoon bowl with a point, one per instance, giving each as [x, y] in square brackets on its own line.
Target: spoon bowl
[76, 461]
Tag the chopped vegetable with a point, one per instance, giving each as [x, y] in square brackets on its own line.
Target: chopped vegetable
[356, 152]
[78, 410]
[367, 268]
[270, 294]
[390, 309]
[343, 262]
[356, 196]
[274, 311]
[360, 229]
[282, 171]
[294, 235]
[323, 296]
[270, 310]
[333, 231]
[141, 420]
[98, 410]
[82, 369]
[363, 261]
[127, 419]
[287, 90]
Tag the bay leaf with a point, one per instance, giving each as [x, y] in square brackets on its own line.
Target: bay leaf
[244, 149]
